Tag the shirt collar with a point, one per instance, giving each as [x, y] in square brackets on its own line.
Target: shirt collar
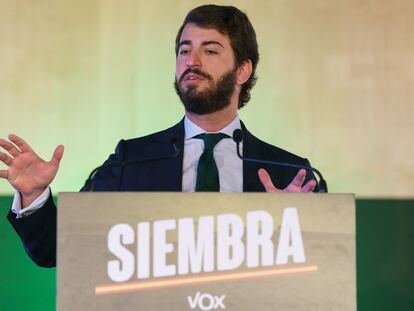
[191, 129]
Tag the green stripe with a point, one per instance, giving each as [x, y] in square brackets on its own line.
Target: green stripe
[385, 261]
[23, 285]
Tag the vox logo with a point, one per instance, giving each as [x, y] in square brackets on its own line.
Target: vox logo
[205, 301]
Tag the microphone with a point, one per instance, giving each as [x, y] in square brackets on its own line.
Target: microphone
[89, 183]
[238, 137]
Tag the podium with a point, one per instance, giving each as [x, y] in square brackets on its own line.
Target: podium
[206, 251]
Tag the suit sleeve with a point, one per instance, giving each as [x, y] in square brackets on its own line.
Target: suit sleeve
[38, 233]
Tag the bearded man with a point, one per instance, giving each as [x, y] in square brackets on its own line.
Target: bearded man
[216, 60]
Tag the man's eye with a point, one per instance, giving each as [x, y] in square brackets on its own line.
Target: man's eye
[184, 52]
[211, 52]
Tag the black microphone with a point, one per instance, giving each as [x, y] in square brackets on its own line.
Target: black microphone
[89, 183]
[238, 137]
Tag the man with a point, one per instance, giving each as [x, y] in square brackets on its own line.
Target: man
[216, 59]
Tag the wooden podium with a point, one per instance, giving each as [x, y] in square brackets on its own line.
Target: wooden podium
[206, 251]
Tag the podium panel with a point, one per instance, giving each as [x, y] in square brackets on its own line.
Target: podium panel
[206, 251]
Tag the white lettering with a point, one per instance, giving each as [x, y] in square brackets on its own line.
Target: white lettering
[290, 239]
[162, 248]
[120, 270]
[219, 302]
[230, 247]
[193, 301]
[143, 250]
[206, 301]
[199, 256]
[210, 302]
[203, 245]
[259, 237]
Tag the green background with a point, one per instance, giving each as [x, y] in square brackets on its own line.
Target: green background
[385, 261]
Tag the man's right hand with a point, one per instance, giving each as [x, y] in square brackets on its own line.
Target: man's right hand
[27, 172]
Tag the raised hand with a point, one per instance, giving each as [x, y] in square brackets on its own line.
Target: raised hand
[27, 172]
[294, 186]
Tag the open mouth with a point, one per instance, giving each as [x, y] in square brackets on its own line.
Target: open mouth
[193, 77]
[192, 74]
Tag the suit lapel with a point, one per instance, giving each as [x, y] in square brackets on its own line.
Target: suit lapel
[251, 149]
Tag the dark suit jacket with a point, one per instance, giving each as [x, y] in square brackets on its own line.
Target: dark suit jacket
[38, 230]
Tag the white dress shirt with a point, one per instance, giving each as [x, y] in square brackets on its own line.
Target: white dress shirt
[229, 165]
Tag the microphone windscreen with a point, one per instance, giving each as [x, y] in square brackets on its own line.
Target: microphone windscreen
[237, 135]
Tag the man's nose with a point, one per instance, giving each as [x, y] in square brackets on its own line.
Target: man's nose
[193, 59]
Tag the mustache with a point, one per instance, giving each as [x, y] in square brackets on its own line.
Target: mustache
[195, 71]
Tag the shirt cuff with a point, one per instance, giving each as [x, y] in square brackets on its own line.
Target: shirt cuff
[36, 204]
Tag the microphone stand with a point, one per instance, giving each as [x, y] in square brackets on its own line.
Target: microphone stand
[238, 137]
[89, 183]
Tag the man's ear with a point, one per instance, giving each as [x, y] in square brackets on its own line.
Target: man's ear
[244, 72]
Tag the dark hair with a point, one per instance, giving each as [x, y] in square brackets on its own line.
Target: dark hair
[230, 21]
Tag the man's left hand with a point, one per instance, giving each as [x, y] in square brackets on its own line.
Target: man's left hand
[294, 186]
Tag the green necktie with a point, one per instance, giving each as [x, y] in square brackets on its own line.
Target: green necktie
[207, 173]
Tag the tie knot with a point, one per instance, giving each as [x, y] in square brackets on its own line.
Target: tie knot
[211, 140]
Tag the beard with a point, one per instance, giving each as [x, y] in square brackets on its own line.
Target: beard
[215, 97]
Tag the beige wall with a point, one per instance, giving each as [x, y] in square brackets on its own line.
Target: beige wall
[335, 82]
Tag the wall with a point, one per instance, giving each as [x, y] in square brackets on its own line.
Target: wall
[335, 83]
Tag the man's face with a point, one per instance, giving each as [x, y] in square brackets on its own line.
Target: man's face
[205, 70]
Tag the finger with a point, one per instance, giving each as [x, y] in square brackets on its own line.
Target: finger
[4, 174]
[310, 185]
[5, 159]
[266, 181]
[57, 155]
[24, 147]
[299, 178]
[12, 149]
